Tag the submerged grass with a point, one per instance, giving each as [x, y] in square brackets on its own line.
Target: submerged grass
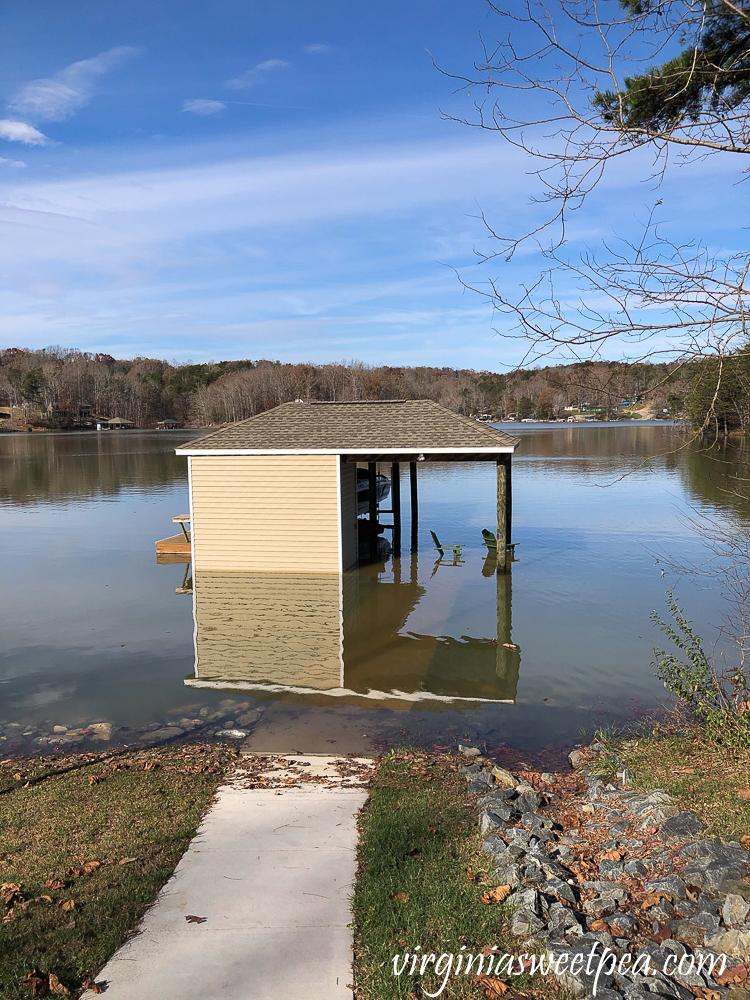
[419, 848]
[711, 779]
[85, 845]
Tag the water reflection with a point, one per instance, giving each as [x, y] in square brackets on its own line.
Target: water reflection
[347, 638]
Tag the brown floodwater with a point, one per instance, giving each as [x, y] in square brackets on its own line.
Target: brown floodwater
[404, 649]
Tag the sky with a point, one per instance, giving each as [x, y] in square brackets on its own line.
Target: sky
[271, 180]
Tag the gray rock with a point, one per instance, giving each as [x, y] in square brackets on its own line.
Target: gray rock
[529, 899]
[524, 922]
[619, 827]
[469, 751]
[690, 933]
[686, 908]
[626, 777]
[682, 826]
[557, 887]
[672, 885]
[580, 983]
[734, 910]
[641, 803]
[663, 911]
[231, 734]
[528, 802]
[512, 875]
[607, 889]
[718, 876]
[553, 868]
[611, 869]
[636, 868]
[575, 759]
[621, 924]
[496, 847]
[497, 797]
[713, 849]
[480, 784]
[490, 822]
[601, 906]
[470, 770]
[533, 874]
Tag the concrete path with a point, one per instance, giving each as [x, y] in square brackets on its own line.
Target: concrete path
[271, 870]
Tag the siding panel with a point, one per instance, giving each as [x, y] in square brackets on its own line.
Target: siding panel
[265, 514]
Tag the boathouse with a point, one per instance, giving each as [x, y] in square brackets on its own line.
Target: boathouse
[278, 492]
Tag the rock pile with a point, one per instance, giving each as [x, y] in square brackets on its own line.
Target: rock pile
[593, 863]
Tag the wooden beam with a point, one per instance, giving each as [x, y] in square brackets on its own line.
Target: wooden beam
[504, 512]
[414, 506]
[373, 512]
[396, 505]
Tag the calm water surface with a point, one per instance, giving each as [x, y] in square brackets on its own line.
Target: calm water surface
[93, 630]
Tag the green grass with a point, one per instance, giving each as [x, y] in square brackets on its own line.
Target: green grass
[419, 833]
[705, 777]
[144, 807]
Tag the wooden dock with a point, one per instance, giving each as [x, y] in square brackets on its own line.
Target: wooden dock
[174, 545]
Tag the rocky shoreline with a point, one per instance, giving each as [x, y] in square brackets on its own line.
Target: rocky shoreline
[231, 720]
[585, 861]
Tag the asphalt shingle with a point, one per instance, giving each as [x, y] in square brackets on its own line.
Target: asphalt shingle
[410, 425]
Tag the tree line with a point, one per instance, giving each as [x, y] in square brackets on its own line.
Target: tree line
[54, 386]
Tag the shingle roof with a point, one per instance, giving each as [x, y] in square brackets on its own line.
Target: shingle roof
[408, 425]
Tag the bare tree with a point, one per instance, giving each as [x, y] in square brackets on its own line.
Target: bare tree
[575, 87]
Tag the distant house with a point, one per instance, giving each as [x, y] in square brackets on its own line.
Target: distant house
[168, 425]
[115, 423]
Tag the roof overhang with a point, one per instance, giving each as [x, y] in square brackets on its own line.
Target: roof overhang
[365, 454]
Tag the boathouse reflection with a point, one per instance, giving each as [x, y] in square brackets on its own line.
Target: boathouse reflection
[325, 637]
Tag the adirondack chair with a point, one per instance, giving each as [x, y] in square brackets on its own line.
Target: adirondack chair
[440, 547]
[489, 539]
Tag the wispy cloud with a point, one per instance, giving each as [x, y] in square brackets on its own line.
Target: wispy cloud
[12, 163]
[317, 50]
[21, 132]
[251, 77]
[60, 96]
[200, 106]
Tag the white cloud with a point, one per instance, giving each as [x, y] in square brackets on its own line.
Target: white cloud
[199, 106]
[317, 50]
[57, 97]
[21, 132]
[255, 75]
[12, 163]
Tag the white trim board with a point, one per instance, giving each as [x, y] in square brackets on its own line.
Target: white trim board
[499, 450]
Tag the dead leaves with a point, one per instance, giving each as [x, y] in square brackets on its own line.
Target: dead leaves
[400, 897]
[496, 895]
[745, 840]
[192, 919]
[11, 893]
[613, 855]
[653, 898]
[730, 976]
[743, 793]
[54, 883]
[94, 987]
[45, 984]
[491, 987]
[470, 874]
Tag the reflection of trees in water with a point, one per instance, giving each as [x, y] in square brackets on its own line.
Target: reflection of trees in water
[40, 467]
[718, 478]
[580, 443]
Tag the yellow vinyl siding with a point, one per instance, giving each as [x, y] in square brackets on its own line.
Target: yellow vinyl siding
[265, 513]
[268, 628]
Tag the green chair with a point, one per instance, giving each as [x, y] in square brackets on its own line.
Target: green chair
[440, 547]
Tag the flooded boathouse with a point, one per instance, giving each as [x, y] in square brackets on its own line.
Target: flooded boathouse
[284, 491]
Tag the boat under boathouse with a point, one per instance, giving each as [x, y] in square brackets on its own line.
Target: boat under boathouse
[279, 492]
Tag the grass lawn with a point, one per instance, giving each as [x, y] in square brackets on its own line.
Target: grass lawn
[421, 880]
[85, 845]
[713, 781]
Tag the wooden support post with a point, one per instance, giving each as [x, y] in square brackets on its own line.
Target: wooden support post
[396, 505]
[414, 506]
[373, 512]
[504, 512]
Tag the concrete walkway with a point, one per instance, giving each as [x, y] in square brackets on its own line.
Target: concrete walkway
[271, 871]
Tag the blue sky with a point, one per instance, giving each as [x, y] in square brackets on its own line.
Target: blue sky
[206, 181]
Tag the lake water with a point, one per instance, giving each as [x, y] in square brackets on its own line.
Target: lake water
[414, 648]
